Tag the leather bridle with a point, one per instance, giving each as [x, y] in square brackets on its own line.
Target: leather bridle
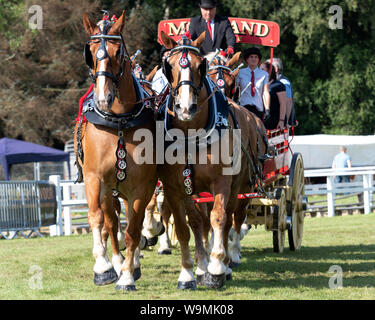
[185, 63]
[103, 37]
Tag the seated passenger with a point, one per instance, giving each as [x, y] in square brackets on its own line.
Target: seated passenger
[277, 118]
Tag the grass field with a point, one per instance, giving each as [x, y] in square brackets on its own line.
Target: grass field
[61, 267]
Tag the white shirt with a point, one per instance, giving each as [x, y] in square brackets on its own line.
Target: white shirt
[159, 81]
[244, 78]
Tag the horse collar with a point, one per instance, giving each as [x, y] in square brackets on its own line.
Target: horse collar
[217, 117]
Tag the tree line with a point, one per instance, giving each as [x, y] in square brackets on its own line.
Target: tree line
[331, 65]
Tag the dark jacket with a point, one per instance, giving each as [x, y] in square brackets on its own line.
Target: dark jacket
[223, 34]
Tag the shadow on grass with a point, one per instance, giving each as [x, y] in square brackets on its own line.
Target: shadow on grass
[308, 267]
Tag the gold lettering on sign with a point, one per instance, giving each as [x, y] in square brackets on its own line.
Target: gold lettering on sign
[235, 27]
[262, 30]
[181, 29]
[247, 28]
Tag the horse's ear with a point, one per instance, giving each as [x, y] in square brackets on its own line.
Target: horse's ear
[168, 42]
[88, 24]
[118, 26]
[199, 41]
[234, 59]
[152, 74]
[235, 73]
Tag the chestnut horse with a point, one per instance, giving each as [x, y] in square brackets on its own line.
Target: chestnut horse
[110, 165]
[222, 73]
[195, 109]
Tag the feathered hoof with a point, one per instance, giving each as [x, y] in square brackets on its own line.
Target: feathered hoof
[165, 251]
[125, 288]
[107, 277]
[233, 265]
[214, 281]
[137, 274]
[189, 285]
[152, 241]
[201, 279]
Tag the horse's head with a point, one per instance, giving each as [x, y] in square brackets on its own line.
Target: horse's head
[185, 70]
[221, 72]
[105, 54]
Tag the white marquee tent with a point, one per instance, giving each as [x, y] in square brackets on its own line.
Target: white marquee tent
[319, 150]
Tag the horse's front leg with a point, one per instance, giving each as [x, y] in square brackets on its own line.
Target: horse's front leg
[130, 270]
[104, 273]
[186, 279]
[216, 267]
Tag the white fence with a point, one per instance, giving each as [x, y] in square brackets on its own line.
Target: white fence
[69, 195]
[363, 183]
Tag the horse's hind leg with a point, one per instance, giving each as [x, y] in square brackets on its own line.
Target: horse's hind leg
[235, 245]
[104, 273]
[165, 213]
[151, 227]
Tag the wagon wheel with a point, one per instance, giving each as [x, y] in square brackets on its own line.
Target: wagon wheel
[279, 221]
[295, 205]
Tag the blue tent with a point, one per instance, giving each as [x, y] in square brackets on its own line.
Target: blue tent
[14, 151]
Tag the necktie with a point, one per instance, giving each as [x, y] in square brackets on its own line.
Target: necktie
[209, 28]
[252, 84]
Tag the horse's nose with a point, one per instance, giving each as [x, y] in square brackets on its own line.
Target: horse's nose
[106, 103]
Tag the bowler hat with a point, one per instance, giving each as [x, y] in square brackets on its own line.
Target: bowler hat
[250, 51]
[207, 4]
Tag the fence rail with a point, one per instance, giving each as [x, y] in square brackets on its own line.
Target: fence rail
[23, 212]
[331, 189]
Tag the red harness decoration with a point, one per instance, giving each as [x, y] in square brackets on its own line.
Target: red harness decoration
[81, 100]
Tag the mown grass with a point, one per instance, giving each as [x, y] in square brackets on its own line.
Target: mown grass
[66, 267]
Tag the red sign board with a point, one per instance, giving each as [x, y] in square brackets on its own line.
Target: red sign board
[258, 32]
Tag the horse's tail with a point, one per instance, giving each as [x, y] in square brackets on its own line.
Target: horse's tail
[78, 150]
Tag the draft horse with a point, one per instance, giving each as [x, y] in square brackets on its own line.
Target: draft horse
[194, 106]
[222, 73]
[106, 146]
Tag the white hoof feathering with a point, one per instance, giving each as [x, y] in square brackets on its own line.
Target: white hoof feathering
[216, 267]
[164, 243]
[117, 261]
[244, 230]
[126, 279]
[102, 265]
[186, 275]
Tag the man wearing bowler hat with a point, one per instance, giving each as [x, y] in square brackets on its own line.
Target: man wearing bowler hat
[219, 32]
